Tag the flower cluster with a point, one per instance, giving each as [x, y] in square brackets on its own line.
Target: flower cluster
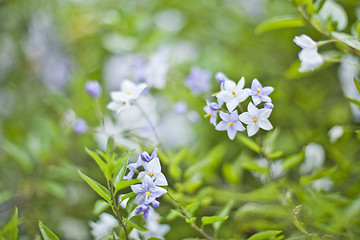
[232, 94]
[151, 178]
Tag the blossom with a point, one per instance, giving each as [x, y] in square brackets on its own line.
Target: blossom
[180, 108]
[153, 169]
[233, 93]
[221, 77]
[230, 123]
[314, 158]
[144, 157]
[93, 88]
[198, 80]
[147, 192]
[211, 109]
[335, 133]
[123, 99]
[269, 105]
[309, 56]
[144, 209]
[156, 69]
[258, 93]
[80, 126]
[104, 226]
[256, 118]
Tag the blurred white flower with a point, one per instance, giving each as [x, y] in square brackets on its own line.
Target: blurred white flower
[347, 71]
[103, 226]
[170, 20]
[322, 184]
[314, 158]
[335, 133]
[73, 229]
[157, 68]
[309, 56]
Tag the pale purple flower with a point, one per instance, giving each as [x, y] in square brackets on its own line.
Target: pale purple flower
[144, 209]
[93, 88]
[80, 126]
[220, 77]
[147, 158]
[153, 170]
[233, 93]
[269, 105]
[198, 80]
[144, 157]
[147, 191]
[180, 108]
[193, 116]
[258, 93]
[256, 118]
[230, 123]
[211, 110]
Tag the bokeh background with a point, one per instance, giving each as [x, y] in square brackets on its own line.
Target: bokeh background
[50, 49]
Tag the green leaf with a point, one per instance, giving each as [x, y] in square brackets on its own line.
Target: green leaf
[103, 166]
[357, 84]
[100, 206]
[21, 157]
[213, 219]
[300, 225]
[47, 233]
[265, 235]
[190, 220]
[249, 143]
[134, 225]
[124, 184]
[223, 213]
[122, 166]
[292, 160]
[356, 102]
[334, 13]
[128, 195]
[97, 187]
[10, 230]
[347, 39]
[279, 22]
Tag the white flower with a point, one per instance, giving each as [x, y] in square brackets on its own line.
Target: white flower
[233, 93]
[256, 118]
[322, 184]
[156, 69]
[335, 133]
[309, 56]
[314, 158]
[123, 99]
[104, 226]
[153, 169]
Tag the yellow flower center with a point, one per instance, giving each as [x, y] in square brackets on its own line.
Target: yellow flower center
[233, 93]
[255, 120]
[209, 114]
[147, 193]
[149, 174]
[230, 124]
[128, 93]
[258, 91]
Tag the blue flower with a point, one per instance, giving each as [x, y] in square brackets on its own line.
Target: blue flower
[211, 110]
[80, 126]
[230, 123]
[93, 88]
[146, 157]
[198, 80]
[144, 209]
[258, 93]
[147, 192]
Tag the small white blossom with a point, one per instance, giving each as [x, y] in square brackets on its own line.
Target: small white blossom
[104, 226]
[256, 118]
[233, 93]
[309, 56]
[314, 158]
[156, 69]
[153, 169]
[335, 133]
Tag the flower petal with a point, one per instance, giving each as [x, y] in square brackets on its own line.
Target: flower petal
[232, 105]
[225, 96]
[221, 126]
[252, 129]
[267, 90]
[137, 188]
[154, 166]
[160, 179]
[241, 83]
[265, 124]
[254, 111]
[238, 126]
[264, 113]
[246, 118]
[231, 132]
[229, 85]
[255, 85]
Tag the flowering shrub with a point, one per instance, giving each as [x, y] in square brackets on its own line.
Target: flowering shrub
[123, 136]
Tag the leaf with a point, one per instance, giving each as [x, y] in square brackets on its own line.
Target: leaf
[97, 187]
[100, 206]
[10, 230]
[357, 84]
[223, 213]
[212, 219]
[103, 166]
[124, 184]
[128, 195]
[334, 13]
[292, 160]
[120, 174]
[354, 101]
[300, 225]
[21, 157]
[134, 225]
[47, 233]
[278, 22]
[249, 143]
[347, 39]
[190, 220]
[264, 235]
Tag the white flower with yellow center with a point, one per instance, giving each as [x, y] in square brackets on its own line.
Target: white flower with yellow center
[233, 93]
[256, 118]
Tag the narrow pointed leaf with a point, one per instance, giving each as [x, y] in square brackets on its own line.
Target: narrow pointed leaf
[100, 163]
[47, 233]
[212, 219]
[97, 187]
[251, 144]
[264, 235]
[278, 22]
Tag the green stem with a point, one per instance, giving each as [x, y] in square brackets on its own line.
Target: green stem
[115, 209]
[193, 224]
